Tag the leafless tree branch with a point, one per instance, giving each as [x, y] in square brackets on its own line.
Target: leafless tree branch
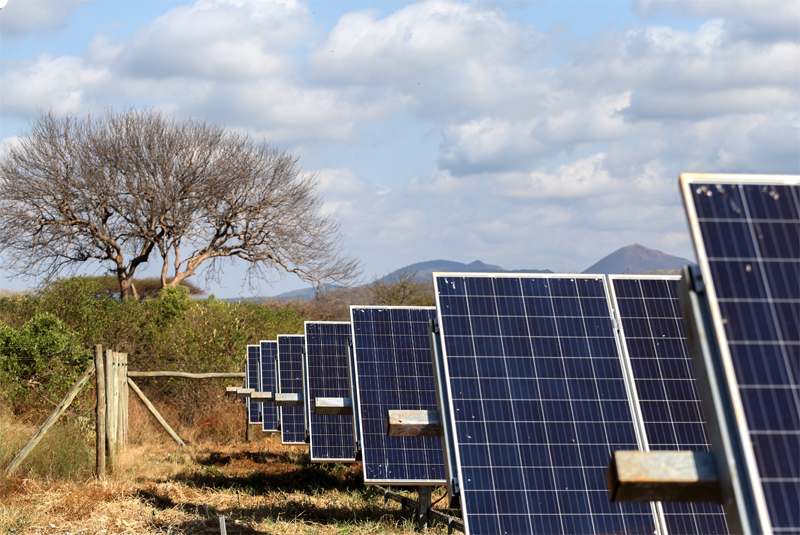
[119, 187]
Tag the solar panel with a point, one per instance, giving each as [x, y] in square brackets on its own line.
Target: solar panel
[330, 436]
[654, 341]
[290, 381]
[534, 379]
[393, 371]
[746, 231]
[251, 381]
[269, 412]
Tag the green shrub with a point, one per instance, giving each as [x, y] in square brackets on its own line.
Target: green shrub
[43, 356]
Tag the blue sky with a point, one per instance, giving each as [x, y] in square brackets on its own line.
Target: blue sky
[525, 134]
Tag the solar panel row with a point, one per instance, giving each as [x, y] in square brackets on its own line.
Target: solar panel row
[393, 371]
[654, 343]
[546, 375]
[269, 412]
[331, 437]
[251, 381]
[290, 381]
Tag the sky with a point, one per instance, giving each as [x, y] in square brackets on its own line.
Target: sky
[526, 134]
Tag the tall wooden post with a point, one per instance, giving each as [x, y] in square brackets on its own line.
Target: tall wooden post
[100, 420]
[121, 392]
[111, 409]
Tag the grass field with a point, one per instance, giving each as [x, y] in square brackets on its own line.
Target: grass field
[260, 488]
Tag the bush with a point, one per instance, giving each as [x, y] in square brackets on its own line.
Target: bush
[43, 356]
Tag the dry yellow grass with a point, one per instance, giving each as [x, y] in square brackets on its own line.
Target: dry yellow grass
[261, 488]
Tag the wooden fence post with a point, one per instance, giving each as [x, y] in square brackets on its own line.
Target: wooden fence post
[39, 434]
[122, 401]
[100, 420]
[111, 410]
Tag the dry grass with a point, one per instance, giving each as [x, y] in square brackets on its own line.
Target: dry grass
[261, 488]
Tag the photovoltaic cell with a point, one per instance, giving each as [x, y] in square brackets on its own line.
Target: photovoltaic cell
[747, 236]
[253, 363]
[331, 436]
[655, 342]
[290, 381]
[269, 412]
[394, 372]
[534, 380]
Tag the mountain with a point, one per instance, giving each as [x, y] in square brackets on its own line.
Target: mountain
[425, 269]
[638, 259]
[631, 259]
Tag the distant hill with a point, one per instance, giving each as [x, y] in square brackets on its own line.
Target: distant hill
[638, 259]
[631, 259]
[425, 269]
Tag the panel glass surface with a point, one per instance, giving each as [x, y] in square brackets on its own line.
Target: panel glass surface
[536, 387]
[269, 412]
[654, 337]
[253, 362]
[331, 436]
[290, 381]
[747, 236]
[394, 371]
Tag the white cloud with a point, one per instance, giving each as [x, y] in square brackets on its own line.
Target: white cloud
[57, 83]
[21, 18]
[228, 40]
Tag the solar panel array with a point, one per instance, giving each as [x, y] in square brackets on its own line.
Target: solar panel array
[330, 436]
[747, 236]
[393, 371]
[269, 412]
[290, 381]
[655, 344]
[535, 383]
[251, 381]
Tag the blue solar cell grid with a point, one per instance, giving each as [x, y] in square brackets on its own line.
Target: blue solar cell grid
[253, 363]
[746, 231]
[290, 381]
[269, 412]
[535, 383]
[651, 327]
[394, 372]
[330, 436]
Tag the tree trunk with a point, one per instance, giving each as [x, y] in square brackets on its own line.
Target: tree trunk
[125, 287]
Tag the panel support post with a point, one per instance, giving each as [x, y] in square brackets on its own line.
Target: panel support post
[100, 412]
[248, 429]
[736, 487]
[424, 507]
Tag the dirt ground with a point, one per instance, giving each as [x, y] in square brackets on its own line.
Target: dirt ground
[260, 488]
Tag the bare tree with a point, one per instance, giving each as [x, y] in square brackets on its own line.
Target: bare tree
[126, 186]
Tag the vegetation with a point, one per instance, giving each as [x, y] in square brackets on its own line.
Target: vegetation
[122, 187]
[44, 338]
